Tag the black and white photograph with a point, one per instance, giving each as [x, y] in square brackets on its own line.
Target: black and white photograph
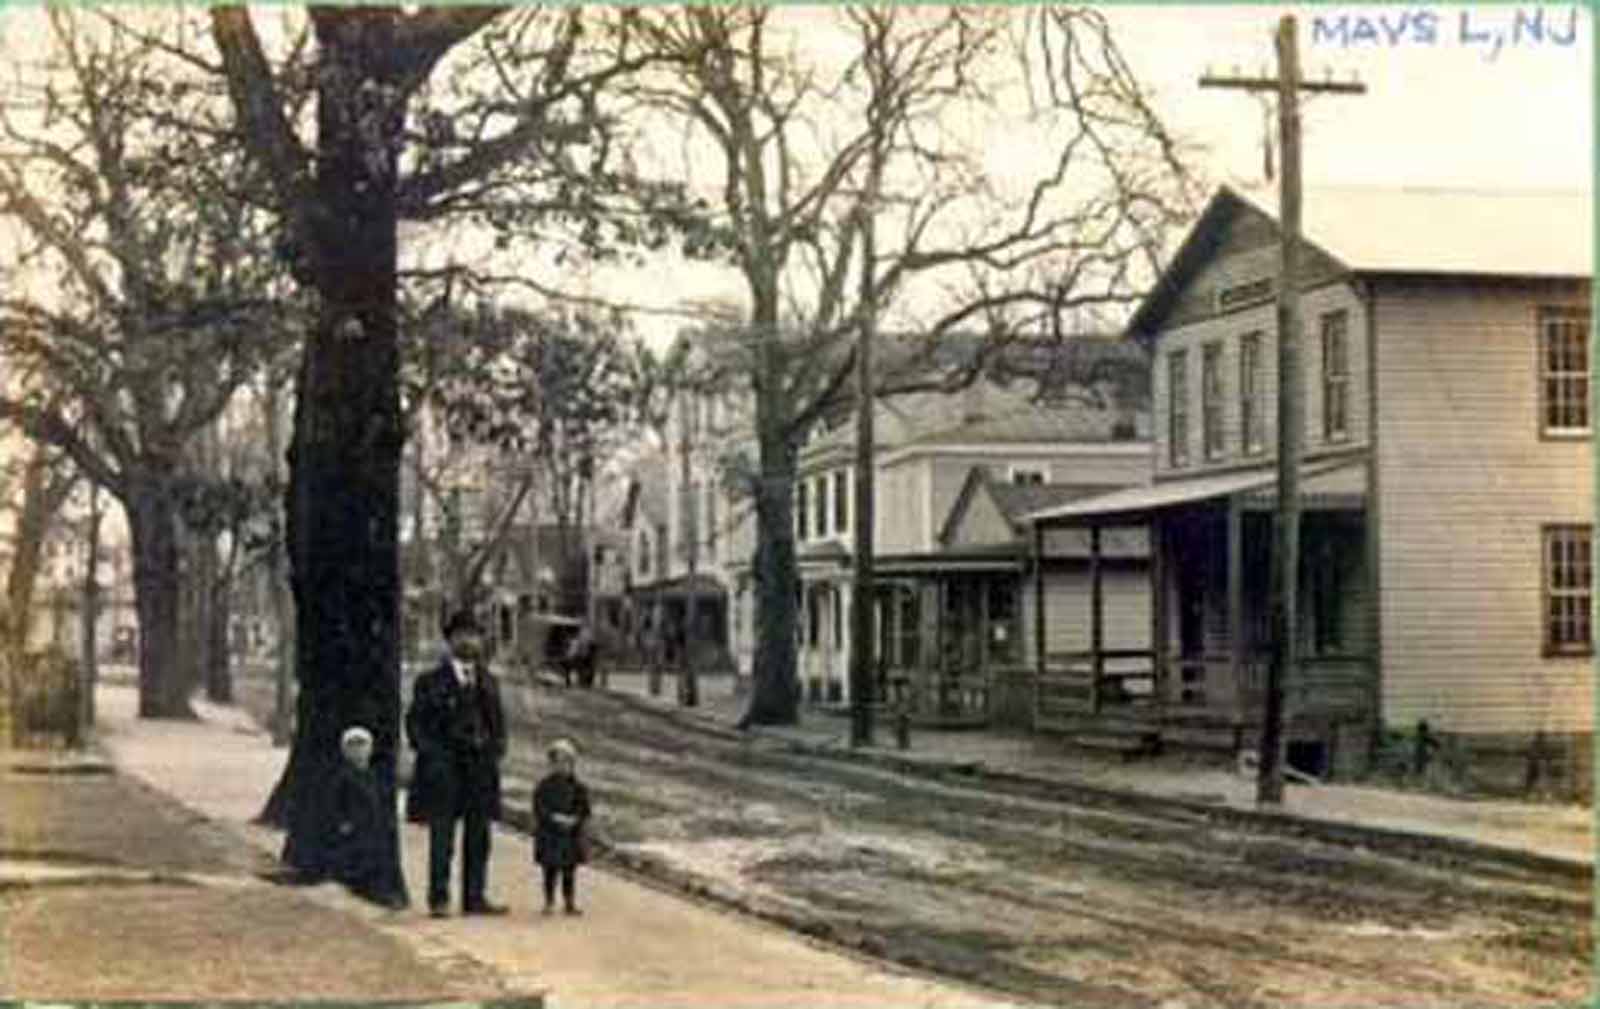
[711, 506]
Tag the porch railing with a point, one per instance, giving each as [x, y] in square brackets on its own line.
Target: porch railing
[1128, 678]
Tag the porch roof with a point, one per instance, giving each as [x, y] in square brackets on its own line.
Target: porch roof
[1001, 557]
[1140, 502]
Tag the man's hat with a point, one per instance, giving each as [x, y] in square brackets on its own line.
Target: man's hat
[462, 620]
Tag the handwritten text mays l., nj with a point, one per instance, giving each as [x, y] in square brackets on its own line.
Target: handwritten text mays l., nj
[1487, 29]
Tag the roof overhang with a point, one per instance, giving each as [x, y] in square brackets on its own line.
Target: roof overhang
[1138, 504]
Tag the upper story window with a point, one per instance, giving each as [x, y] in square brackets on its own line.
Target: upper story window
[688, 524]
[1028, 475]
[802, 511]
[644, 553]
[711, 518]
[1564, 370]
[841, 501]
[1178, 407]
[1568, 589]
[1335, 376]
[1211, 399]
[821, 504]
[1252, 428]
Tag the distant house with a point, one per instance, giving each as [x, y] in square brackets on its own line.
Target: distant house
[953, 473]
[1447, 469]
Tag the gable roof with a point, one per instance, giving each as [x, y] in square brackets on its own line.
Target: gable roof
[1412, 230]
[1014, 501]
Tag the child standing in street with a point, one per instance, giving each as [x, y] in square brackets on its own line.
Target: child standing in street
[560, 813]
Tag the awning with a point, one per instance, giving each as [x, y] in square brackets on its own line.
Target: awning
[1138, 503]
[700, 586]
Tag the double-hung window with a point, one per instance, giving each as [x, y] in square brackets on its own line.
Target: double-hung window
[1178, 407]
[1568, 589]
[1252, 429]
[841, 501]
[1211, 400]
[1335, 376]
[1564, 371]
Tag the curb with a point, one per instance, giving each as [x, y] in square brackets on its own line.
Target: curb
[1431, 848]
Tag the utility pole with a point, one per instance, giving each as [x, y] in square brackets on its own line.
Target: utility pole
[688, 693]
[862, 592]
[1286, 528]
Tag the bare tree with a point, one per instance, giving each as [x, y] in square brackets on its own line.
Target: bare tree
[139, 302]
[388, 146]
[807, 149]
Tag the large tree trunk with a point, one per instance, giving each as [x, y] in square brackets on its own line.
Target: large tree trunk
[89, 661]
[345, 469]
[195, 609]
[43, 494]
[282, 608]
[153, 526]
[219, 668]
[775, 686]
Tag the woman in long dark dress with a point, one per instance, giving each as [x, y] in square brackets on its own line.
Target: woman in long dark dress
[560, 816]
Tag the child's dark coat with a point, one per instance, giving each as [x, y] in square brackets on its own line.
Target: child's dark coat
[556, 846]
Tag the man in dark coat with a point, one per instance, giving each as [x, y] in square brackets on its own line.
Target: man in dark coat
[458, 728]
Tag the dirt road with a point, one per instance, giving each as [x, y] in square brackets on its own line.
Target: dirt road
[1056, 901]
[1067, 902]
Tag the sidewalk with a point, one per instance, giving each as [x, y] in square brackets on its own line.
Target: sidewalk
[112, 891]
[635, 947]
[1558, 833]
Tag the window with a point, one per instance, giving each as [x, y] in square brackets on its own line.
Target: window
[841, 501]
[1325, 572]
[1335, 377]
[1252, 432]
[1027, 475]
[1568, 589]
[644, 553]
[1211, 399]
[1178, 407]
[1002, 623]
[908, 622]
[711, 518]
[802, 510]
[838, 619]
[822, 505]
[1564, 370]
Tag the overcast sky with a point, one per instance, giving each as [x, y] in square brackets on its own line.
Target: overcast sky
[1444, 106]
[1484, 97]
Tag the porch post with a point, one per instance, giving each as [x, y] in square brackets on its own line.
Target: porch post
[1097, 619]
[1236, 643]
[1158, 607]
[1038, 602]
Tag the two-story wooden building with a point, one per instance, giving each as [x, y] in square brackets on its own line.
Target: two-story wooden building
[1447, 475]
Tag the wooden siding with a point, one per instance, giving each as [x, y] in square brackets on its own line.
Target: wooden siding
[1466, 483]
[1066, 603]
[1228, 330]
[901, 519]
